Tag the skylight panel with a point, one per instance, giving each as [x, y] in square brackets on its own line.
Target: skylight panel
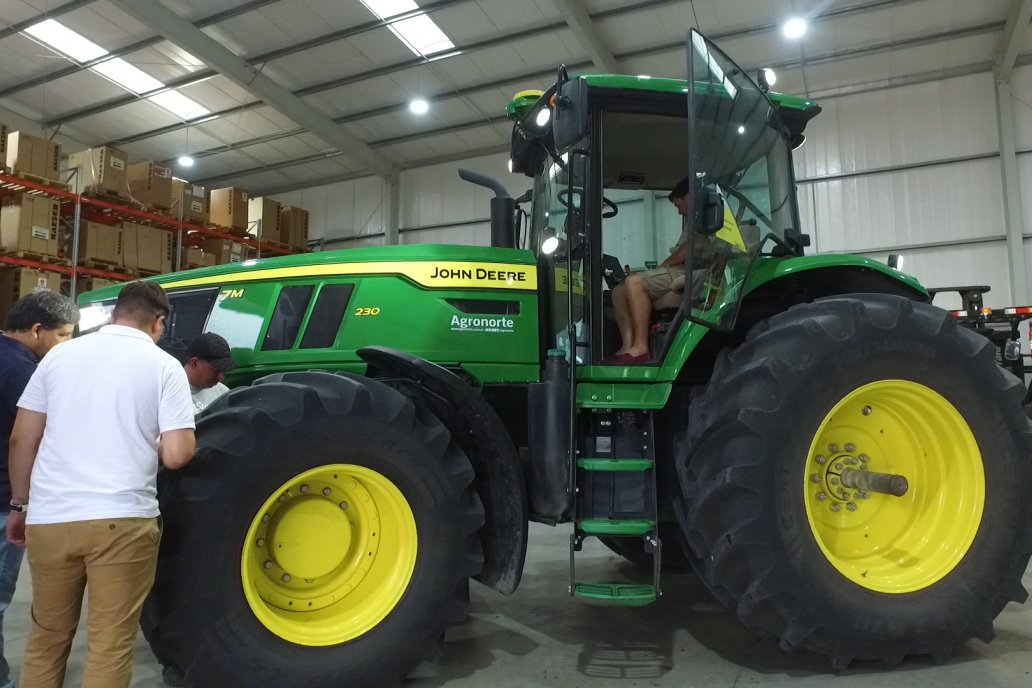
[65, 41]
[127, 76]
[179, 105]
[420, 33]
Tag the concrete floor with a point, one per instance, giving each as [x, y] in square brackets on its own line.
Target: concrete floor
[541, 637]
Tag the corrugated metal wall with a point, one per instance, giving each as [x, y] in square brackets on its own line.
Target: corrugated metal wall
[910, 170]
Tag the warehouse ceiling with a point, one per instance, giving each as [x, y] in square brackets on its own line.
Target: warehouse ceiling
[274, 95]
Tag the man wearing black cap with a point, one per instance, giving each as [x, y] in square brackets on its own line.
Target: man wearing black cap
[210, 360]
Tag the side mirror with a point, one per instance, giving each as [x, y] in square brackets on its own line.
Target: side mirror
[570, 114]
[708, 216]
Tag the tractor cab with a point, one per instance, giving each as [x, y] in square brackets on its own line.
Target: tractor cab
[605, 153]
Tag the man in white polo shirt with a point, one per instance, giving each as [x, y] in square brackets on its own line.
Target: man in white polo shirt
[96, 418]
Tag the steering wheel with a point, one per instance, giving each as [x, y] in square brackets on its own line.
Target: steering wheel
[564, 199]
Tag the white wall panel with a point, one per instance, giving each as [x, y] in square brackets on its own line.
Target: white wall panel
[899, 126]
[477, 234]
[435, 195]
[345, 209]
[918, 206]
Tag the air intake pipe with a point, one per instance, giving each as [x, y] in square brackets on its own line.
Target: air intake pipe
[503, 208]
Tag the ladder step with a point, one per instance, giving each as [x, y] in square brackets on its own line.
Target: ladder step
[605, 526]
[615, 465]
[617, 594]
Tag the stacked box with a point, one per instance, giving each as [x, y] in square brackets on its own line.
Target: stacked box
[125, 244]
[196, 258]
[225, 251]
[155, 249]
[150, 184]
[191, 199]
[17, 282]
[102, 170]
[99, 242]
[263, 219]
[294, 227]
[29, 223]
[228, 207]
[3, 142]
[33, 155]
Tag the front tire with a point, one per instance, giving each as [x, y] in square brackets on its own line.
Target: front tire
[874, 382]
[323, 535]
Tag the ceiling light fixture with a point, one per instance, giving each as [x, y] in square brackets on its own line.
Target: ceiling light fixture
[794, 28]
[419, 33]
[59, 37]
[741, 130]
[419, 106]
[185, 161]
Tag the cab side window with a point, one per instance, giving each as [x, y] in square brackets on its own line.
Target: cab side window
[287, 317]
[324, 323]
[190, 311]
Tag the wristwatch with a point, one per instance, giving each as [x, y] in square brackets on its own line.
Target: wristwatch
[20, 508]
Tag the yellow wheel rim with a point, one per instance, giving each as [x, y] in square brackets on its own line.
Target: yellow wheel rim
[329, 555]
[881, 542]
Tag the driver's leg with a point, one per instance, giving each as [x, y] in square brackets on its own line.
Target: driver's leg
[621, 310]
[640, 306]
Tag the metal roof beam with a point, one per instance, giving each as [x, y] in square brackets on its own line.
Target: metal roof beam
[587, 33]
[509, 37]
[126, 50]
[1014, 31]
[184, 34]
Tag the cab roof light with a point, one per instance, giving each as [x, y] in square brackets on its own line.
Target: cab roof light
[1018, 310]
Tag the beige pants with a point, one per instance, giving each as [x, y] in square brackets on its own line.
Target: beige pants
[115, 559]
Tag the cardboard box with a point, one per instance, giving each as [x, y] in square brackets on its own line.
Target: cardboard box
[125, 244]
[17, 282]
[191, 199]
[294, 227]
[99, 242]
[155, 249]
[150, 184]
[228, 207]
[102, 170]
[33, 155]
[225, 251]
[196, 258]
[29, 223]
[263, 219]
[3, 142]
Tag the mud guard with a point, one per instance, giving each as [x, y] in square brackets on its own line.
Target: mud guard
[482, 435]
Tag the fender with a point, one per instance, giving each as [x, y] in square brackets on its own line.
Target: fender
[482, 435]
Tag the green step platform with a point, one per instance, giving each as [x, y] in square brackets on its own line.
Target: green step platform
[616, 594]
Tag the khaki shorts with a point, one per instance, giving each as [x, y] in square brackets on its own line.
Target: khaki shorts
[659, 281]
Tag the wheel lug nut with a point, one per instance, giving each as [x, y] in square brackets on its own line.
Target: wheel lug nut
[838, 466]
[282, 498]
[866, 410]
[850, 447]
[819, 458]
[821, 496]
[261, 542]
[343, 505]
[286, 577]
[304, 488]
[851, 506]
[835, 507]
[833, 448]
[864, 458]
[327, 491]
[815, 478]
[267, 564]
[834, 481]
[265, 518]
[309, 580]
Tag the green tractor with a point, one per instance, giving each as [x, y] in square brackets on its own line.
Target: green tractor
[843, 466]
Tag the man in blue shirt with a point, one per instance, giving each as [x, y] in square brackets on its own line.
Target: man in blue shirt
[36, 324]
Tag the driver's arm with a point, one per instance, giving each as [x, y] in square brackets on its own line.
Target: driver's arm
[677, 257]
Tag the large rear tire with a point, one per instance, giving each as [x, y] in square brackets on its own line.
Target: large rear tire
[876, 383]
[323, 535]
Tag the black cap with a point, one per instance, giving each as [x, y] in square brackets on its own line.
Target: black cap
[214, 349]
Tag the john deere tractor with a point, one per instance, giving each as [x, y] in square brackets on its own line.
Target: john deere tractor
[843, 466]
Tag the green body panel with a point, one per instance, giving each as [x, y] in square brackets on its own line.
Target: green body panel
[615, 465]
[616, 594]
[394, 303]
[602, 526]
[663, 85]
[627, 395]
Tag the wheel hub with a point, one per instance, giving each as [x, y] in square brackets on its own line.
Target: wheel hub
[826, 471]
[310, 538]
